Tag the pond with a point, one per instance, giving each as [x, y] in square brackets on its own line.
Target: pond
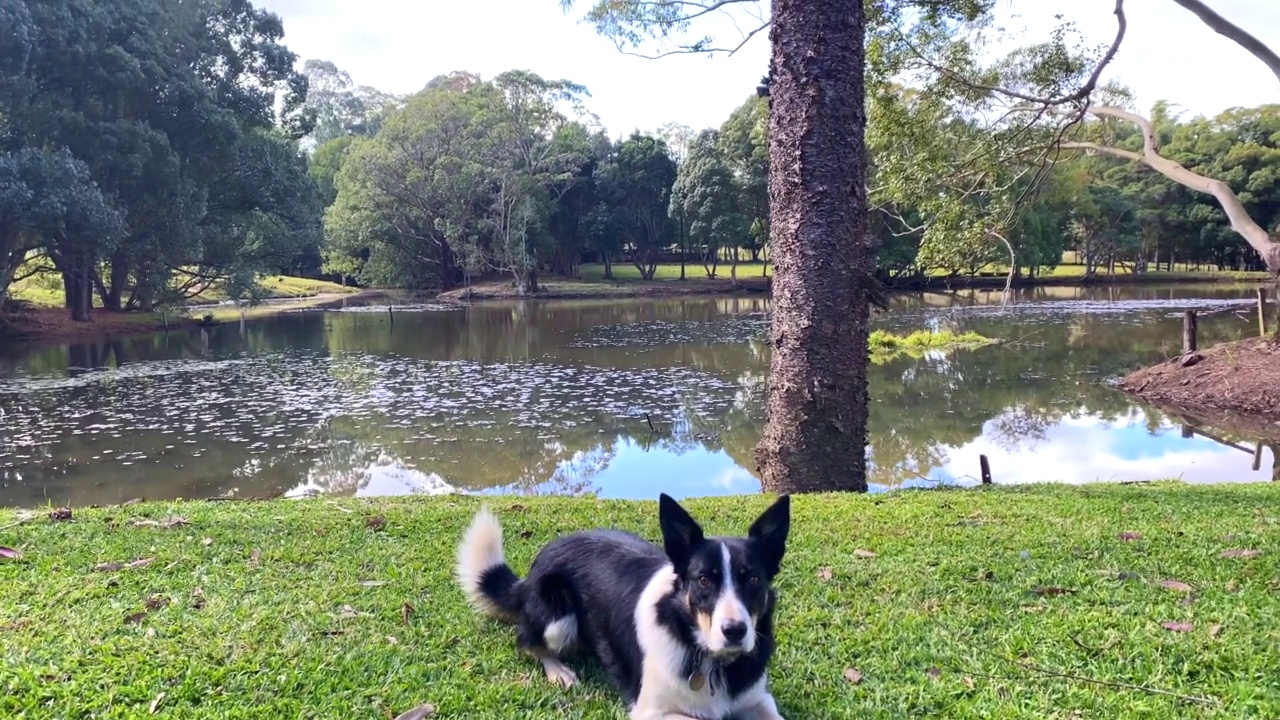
[621, 398]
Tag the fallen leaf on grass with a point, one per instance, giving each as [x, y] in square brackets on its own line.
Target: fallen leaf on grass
[135, 618]
[255, 556]
[155, 704]
[170, 522]
[197, 599]
[824, 574]
[1127, 575]
[391, 640]
[207, 542]
[9, 553]
[526, 534]
[375, 522]
[405, 611]
[1241, 553]
[63, 513]
[1215, 630]
[424, 710]
[349, 612]
[127, 503]
[852, 675]
[968, 682]
[373, 583]
[1177, 585]
[1052, 591]
[1128, 536]
[155, 602]
[1232, 586]
[935, 673]
[1178, 626]
[113, 566]
[863, 554]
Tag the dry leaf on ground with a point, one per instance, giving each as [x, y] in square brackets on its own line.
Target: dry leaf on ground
[1178, 626]
[863, 554]
[1177, 585]
[424, 710]
[852, 675]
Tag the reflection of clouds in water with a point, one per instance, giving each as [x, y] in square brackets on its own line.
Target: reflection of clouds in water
[387, 475]
[735, 480]
[1088, 449]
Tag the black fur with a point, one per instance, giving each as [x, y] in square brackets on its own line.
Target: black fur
[599, 575]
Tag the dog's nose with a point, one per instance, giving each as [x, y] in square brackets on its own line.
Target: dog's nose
[734, 632]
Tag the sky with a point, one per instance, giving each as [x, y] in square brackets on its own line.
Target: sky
[398, 45]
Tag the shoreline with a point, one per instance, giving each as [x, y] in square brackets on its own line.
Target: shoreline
[557, 288]
[50, 326]
[276, 608]
[1233, 383]
[44, 325]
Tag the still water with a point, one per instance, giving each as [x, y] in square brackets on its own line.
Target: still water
[623, 398]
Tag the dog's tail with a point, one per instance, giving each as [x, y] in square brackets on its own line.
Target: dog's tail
[490, 585]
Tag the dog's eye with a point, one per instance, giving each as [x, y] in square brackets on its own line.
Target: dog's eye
[754, 580]
[704, 581]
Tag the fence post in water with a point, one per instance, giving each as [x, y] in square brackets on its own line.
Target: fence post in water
[1189, 332]
[1262, 312]
[986, 469]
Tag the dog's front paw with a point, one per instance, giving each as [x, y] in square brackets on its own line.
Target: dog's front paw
[559, 673]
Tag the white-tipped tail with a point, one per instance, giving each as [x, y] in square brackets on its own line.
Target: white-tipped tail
[479, 552]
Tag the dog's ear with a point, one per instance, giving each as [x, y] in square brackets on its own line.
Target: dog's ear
[680, 532]
[769, 532]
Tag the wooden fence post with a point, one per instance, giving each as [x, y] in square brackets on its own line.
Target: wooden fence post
[1262, 312]
[1189, 332]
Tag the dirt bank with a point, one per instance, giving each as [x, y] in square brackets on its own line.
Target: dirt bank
[56, 325]
[1239, 378]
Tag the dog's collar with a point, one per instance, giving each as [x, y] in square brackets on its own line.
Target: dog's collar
[707, 672]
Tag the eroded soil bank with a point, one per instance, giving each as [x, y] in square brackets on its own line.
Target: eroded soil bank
[1239, 377]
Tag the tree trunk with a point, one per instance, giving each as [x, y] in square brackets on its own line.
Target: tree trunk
[608, 266]
[815, 433]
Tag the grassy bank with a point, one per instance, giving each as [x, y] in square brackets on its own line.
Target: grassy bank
[752, 277]
[46, 320]
[1048, 602]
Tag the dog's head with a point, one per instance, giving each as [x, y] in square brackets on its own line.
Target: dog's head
[726, 582]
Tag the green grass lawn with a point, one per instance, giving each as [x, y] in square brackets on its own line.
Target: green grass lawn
[46, 290]
[1114, 602]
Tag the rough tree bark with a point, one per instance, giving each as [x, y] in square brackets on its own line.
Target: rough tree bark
[816, 416]
[1253, 233]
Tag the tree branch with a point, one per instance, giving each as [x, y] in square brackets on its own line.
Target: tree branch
[1230, 30]
[1241, 222]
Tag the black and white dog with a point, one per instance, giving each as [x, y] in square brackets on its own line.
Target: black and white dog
[685, 631]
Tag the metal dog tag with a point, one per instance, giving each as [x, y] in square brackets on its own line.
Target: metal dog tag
[697, 681]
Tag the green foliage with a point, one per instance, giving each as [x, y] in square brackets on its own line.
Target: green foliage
[187, 117]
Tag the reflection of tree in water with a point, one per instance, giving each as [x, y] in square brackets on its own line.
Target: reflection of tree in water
[508, 397]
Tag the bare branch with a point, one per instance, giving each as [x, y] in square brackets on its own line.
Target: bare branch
[1230, 30]
[1102, 150]
[1241, 222]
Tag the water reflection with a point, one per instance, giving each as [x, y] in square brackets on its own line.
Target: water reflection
[620, 398]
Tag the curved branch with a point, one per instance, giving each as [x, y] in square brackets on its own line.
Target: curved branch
[1233, 32]
[1102, 150]
[1241, 222]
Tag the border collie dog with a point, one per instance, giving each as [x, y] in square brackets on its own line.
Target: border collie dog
[685, 631]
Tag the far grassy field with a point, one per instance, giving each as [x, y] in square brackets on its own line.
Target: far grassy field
[627, 272]
[1106, 601]
[46, 290]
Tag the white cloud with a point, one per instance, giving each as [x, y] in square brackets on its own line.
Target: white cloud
[397, 45]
